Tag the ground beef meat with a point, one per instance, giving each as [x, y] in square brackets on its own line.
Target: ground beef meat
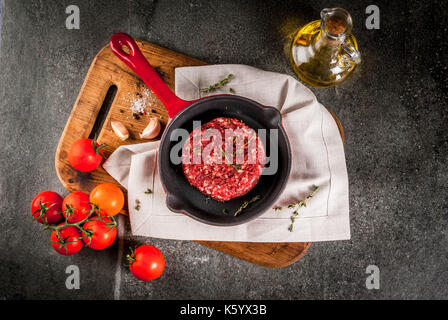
[223, 158]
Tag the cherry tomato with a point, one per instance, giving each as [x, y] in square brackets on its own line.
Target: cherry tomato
[146, 263]
[79, 202]
[108, 197]
[68, 242]
[47, 207]
[103, 235]
[85, 155]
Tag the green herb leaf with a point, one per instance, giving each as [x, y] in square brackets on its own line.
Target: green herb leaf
[245, 204]
[300, 204]
[236, 166]
[148, 191]
[218, 84]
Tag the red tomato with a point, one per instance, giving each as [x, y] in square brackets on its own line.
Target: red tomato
[103, 234]
[68, 242]
[85, 155]
[78, 206]
[108, 197]
[47, 205]
[146, 262]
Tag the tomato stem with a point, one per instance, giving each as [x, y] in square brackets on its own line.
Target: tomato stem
[69, 211]
[42, 211]
[130, 257]
[97, 147]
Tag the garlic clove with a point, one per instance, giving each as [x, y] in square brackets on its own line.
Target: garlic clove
[152, 130]
[120, 130]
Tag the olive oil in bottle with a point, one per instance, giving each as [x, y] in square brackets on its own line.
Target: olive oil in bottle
[324, 52]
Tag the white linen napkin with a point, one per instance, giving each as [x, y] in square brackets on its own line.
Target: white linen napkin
[317, 160]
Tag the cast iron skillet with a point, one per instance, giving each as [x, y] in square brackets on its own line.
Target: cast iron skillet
[180, 195]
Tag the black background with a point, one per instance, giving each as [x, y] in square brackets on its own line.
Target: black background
[393, 110]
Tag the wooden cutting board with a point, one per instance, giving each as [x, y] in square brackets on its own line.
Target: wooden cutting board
[108, 92]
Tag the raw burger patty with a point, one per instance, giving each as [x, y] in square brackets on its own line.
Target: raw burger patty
[230, 179]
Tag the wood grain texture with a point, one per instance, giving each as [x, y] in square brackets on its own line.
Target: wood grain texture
[107, 70]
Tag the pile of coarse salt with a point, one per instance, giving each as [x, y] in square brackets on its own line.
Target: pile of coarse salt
[141, 101]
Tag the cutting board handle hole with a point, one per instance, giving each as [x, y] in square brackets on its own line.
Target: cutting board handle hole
[104, 110]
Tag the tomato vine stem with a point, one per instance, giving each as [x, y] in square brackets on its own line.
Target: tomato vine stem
[87, 233]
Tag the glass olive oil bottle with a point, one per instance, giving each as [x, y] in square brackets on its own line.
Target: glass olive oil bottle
[324, 52]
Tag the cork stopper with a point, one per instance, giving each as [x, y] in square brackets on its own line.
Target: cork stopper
[335, 25]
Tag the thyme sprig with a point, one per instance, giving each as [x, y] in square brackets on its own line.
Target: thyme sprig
[302, 203]
[293, 219]
[218, 84]
[297, 205]
[245, 204]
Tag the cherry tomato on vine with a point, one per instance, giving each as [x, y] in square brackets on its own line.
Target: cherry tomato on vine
[103, 233]
[68, 241]
[85, 155]
[47, 207]
[76, 206]
[146, 262]
[108, 197]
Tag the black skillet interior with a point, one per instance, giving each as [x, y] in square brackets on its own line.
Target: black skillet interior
[182, 197]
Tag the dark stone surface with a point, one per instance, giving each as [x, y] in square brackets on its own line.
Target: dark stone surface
[393, 110]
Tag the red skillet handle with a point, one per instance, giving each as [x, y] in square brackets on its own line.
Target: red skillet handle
[138, 63]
